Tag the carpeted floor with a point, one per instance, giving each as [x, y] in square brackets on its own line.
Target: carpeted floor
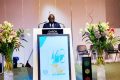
[78, 69]
[22, 73]
[112, 71]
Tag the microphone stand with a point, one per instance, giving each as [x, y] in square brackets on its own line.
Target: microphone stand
[27, 63]
[41, 23]
[62, 25]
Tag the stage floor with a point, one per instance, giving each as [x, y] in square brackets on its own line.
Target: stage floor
[112, 72]
[22, 73]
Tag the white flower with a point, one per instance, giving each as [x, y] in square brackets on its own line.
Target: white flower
[4, 40]
[86, 30]
[8, 36]
[105, 25]
[8, 24]
[95, 27]
[81, 30]
[9, 40]
[13, 33]
[87, 26]
[0, 37]
[17, 42]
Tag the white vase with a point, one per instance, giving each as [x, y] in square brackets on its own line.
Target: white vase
[8, 75]
[101, 72]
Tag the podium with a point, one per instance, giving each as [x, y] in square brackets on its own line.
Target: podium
[52, 54]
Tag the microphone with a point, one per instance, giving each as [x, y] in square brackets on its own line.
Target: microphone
[62, 25]
[42, 23]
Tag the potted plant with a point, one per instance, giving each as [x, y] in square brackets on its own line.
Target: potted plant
[9, 41]
[100, 35]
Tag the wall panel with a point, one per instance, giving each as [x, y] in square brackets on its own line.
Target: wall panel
[72, 13]
[2, 11]
[13, 12]
[113, 13]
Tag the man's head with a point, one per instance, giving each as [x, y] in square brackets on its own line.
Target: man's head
[51, 18]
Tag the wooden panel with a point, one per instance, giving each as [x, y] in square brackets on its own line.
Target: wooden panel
[30, 13]
[113, 12]
[60, 9]
[2, 11]
[13, 12]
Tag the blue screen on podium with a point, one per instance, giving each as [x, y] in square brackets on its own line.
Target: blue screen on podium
[53, 57]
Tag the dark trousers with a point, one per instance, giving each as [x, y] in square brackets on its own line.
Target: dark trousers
[0, 67]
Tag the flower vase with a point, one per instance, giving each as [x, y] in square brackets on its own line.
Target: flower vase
[8, 75]
[101, 72]
[8, 71]
[100, 66]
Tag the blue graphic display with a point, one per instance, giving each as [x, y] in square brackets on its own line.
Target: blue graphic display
[54, 57]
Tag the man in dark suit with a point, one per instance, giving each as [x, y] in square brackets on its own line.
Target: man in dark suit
[51, 23]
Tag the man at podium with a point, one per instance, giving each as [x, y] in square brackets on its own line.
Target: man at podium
[51, 23]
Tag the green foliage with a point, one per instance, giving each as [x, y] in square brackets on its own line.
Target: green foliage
[9, 38]
[100, 36]
[9, 41]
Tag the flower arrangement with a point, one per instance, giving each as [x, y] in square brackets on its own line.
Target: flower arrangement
[100, 36]
[9, 41]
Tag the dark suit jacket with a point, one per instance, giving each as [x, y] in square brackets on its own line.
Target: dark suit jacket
[47, 25]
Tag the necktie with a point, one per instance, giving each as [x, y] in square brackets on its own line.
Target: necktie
[52, 25]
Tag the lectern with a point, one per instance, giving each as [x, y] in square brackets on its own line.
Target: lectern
[52, 54]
